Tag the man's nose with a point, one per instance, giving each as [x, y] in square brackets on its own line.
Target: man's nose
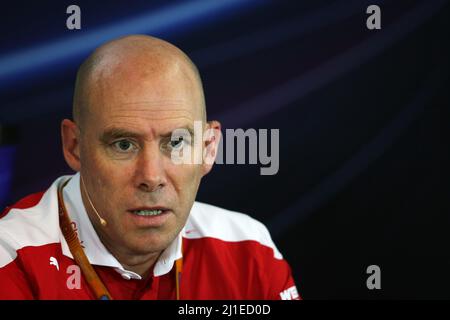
[150, 173]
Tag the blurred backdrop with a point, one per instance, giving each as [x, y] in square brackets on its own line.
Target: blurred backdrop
[363, 117]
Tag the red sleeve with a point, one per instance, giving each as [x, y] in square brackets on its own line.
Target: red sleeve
[13, 283]
[281, 282]
[277, 273]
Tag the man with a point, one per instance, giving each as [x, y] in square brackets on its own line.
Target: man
[127, 226]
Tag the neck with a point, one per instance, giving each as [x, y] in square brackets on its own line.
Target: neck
[139, 263]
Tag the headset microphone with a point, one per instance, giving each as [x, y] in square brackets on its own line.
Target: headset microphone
[102, 221]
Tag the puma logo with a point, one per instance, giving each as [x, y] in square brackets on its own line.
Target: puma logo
[54, 262]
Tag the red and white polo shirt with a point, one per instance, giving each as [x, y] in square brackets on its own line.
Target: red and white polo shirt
[226, 255]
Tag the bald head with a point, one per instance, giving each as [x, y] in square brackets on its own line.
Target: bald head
[123, 64]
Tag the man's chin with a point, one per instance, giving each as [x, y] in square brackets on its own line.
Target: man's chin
[148, 246]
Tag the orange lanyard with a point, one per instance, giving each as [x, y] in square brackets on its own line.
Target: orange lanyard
[93, 280]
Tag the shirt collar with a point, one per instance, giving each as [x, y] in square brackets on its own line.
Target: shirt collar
[94, 248]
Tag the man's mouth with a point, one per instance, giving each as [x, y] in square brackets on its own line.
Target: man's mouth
[150, 217]
[147, 212]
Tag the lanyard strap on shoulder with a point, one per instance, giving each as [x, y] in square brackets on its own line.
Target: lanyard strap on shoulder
[77, 251]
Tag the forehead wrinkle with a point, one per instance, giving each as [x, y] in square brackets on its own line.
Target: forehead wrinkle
[140, 113]
[147, 110]
[166, 102]
[152, 118]
[123, 111]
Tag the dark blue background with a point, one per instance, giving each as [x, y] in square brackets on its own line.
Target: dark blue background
[363, 118]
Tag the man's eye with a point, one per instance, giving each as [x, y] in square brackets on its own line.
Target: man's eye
[123, 145]
[177, 143]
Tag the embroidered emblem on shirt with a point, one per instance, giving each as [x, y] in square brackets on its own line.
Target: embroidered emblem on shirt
[54, 262]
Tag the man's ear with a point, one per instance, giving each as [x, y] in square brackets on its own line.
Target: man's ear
[211, 139]
[71, 144]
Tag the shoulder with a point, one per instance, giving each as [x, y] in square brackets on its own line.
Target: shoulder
[24, 203]
[209, 221]
[31, 222]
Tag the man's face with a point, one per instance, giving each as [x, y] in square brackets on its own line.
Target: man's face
[125, 156]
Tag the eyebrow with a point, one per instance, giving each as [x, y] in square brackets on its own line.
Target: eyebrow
[117, 133]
